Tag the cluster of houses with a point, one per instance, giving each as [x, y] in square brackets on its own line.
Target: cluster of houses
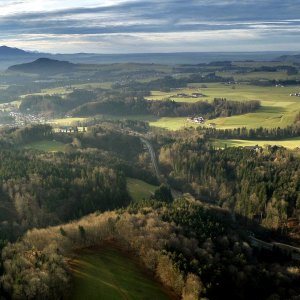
[198, 120]
[295, 95]
[24, 119]
[230, 83]
[69, 129]
[193, 95]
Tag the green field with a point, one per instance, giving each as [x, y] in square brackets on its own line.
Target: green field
[107, 274]
[67, 121]
[278, 107]
[139, 189]
[47, 146]
[290, 143]
[170, 123]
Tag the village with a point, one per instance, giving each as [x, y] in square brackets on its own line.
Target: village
[193, 95]
[12, 117]
[21, 119]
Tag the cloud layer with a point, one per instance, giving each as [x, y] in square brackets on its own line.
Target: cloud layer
[119, 26]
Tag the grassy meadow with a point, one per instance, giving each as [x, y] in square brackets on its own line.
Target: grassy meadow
[67, 121]
[139, 189]
[47, 146]
[278, 108]
[289, 143]
[110, 275]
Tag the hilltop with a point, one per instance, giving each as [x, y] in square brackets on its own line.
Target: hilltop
[44, 66]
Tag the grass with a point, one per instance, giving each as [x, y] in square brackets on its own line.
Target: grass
[46, 146]
[107, 274]
[289, 143]
[170, 123]
[139, 189]
[146, 118]
[67, 121]
[278, 107]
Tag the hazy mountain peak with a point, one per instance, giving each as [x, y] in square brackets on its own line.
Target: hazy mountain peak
[5, 50]
[44, 66]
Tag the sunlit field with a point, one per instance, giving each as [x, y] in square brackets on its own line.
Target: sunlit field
[47, 146]
[278, 107]
[108, 274]
[289, 143]
[139, 189]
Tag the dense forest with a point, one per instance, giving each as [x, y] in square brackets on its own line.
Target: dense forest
[40, 190]
[191, 250]
[167, 108]
[262, 185]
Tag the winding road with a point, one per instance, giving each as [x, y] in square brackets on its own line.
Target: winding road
[153, 158]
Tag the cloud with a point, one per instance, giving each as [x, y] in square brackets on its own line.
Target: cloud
[151, 25]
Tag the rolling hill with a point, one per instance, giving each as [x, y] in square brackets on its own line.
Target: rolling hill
[44, 66]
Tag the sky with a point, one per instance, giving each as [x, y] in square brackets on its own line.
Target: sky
[148, 26]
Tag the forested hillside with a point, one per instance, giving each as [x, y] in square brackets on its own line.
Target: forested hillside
[260, 184]
[187, 247]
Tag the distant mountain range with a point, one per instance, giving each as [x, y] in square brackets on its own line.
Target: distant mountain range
[11, 56]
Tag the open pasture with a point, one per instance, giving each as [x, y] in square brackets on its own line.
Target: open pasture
[139, 189]
[278, 107]
[67, 121]
[289, 143]
[47, 146]
[108, 274]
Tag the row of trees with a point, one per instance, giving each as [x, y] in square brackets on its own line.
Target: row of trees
[260, 133]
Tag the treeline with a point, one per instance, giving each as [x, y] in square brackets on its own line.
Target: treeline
[23, 135]
[186, 247]
[261, 186]
[289, 69]
[168, 108]
[265, 82]
[260, 133]
[166, 83]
